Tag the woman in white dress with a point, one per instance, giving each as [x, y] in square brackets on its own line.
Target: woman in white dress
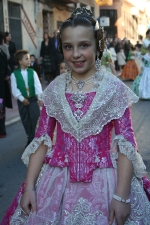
[144, 86]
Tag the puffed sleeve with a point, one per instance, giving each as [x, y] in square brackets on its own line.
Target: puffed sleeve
[125, 142]
[44, 134]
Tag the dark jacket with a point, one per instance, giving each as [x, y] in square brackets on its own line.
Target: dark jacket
[12, 51]
[42, 50]
[56, 56]
[36, 68]
[4, 85]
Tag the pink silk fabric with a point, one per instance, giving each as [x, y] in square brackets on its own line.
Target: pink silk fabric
[92, 152]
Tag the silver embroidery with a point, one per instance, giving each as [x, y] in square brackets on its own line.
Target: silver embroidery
[140, 206]
[126, 148]
[19, 218]
[33, 146]
[81, 214]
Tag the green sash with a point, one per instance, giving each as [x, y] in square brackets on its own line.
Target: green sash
[21, 84]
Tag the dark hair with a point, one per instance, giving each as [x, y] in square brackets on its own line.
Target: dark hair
[19, 55]
[84, 17]
[62, 61]
[47, 35]
[148, 32]
[33, 56]
[1, 37]
[111, 44]
[6, 34]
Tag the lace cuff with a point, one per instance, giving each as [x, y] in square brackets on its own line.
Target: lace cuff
[126, 148]
[33, 146]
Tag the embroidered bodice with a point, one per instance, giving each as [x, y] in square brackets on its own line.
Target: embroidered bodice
[87, 144]
[92, 152]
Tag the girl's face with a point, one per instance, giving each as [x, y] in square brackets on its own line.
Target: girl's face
[79, 49]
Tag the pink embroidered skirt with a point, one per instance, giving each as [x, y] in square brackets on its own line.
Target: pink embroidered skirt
[64, 203]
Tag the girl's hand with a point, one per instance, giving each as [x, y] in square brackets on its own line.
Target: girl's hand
[120, 211]
[28, 202]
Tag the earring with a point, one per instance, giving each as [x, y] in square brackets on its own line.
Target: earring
[67, 67]
[97, 62]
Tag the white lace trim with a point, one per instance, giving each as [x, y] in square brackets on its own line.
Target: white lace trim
[129, 150]
[33, 146]
[110, 102]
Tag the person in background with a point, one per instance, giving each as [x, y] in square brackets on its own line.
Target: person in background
[108, 42]
[121, 58]
[4, 48]
[138, 45]
[34, 65]
[130, 70]
[141, 86]
[56, 56]
[26, 88]
[62, 67]
[5, 95]
[117, 44]
[107, 62]
[146, 43]
[12, 51]
[45, 57]
[126, 47]
[113, 52]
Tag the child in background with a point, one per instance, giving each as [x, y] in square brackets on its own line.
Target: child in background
[121, 59]
[34, 65]
[83, 180]
[62, 67]
[26, 88]
[141, 85]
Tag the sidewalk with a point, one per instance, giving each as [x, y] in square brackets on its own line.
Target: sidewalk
[12, 115]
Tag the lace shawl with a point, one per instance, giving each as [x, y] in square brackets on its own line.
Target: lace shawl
[110, 102]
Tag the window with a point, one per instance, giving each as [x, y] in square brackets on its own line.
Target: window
[112, 29]
[14, 13]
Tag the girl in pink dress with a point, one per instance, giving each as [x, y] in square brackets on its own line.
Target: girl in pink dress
[87, 177]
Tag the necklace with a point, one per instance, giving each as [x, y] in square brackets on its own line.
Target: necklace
[81, 83]
[79, 97]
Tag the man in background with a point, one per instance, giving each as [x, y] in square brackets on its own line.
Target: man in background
[56, 56]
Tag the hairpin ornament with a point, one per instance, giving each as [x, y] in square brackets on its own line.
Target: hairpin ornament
[100, 41]
[80, 11]
[97, 25]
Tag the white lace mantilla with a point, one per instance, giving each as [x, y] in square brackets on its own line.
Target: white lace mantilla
[110, 102]
[126, 148]
[33, 146]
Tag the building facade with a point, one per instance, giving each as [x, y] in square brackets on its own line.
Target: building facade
[128, 18]
[27, 20]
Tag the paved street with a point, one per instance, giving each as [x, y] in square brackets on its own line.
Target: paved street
[12, 170]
